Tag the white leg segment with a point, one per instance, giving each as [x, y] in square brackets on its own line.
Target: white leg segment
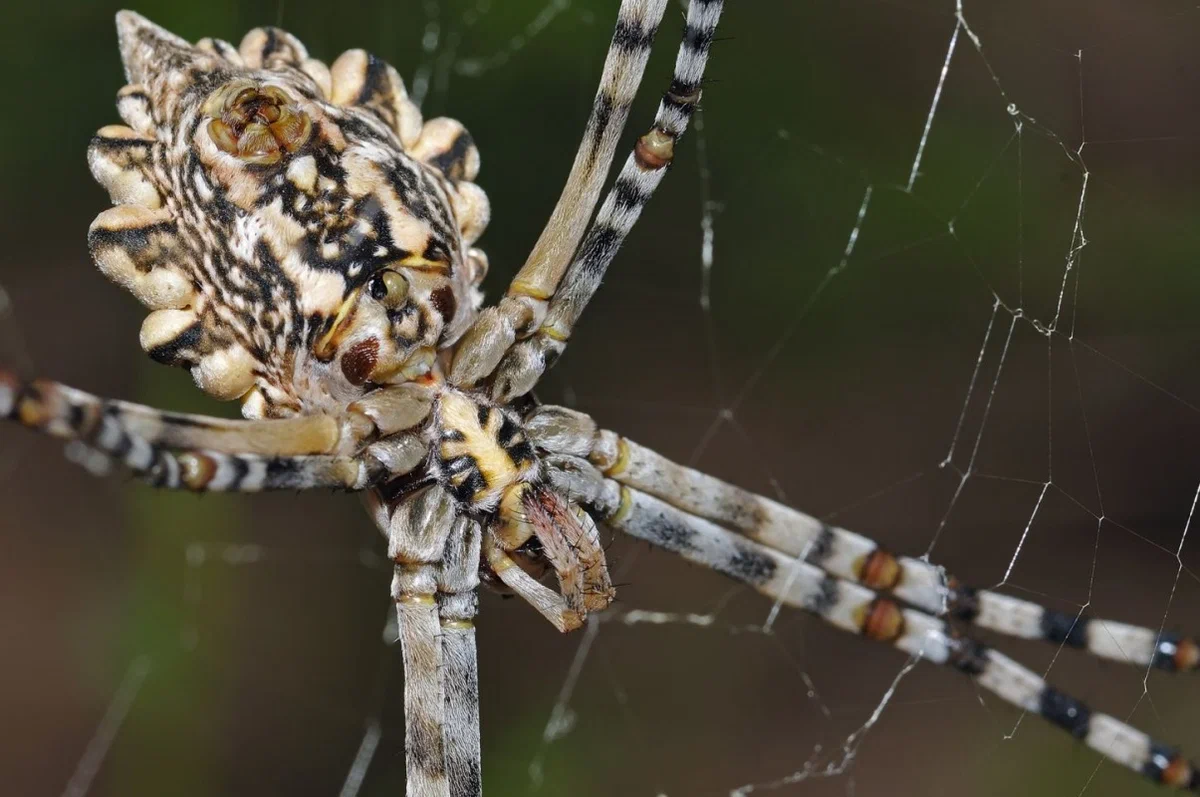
[417, 538]
[458, 603]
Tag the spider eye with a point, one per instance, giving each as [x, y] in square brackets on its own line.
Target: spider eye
[389, 288]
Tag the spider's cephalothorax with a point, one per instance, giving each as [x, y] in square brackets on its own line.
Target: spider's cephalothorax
[297, 231]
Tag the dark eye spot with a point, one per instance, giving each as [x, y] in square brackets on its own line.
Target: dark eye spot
[359, 361]
[389, 288]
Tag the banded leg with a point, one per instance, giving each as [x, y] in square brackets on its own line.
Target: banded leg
[458, 603]
[859, 610]
[115, 429]
[417, 536]
[644, 169]
[65, 412]
[523, 307]
[199, 452]
[846, 554]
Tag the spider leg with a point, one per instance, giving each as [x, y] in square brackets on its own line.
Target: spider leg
[418, 532]
[199, 452]
[524, 305]
[573, 535]
[458, 602]
[859, 610]
[644, 169]
[844, 553]
[568, 539]
[551, 605]
[65, 412]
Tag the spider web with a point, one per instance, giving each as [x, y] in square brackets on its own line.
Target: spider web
[923, 270]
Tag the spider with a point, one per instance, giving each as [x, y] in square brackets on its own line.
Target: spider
[305, 243]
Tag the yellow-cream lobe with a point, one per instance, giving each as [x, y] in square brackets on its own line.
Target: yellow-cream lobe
[479, 441]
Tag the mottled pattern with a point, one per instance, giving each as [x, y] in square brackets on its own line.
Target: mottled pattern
[257, 194]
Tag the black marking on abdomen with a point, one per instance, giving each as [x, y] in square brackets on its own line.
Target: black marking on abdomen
[373, 82]
[452, 162]
[132, 239]
[173, 351]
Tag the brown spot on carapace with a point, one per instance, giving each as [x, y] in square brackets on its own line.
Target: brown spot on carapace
[879, 570]
[655, 149]
[444, 302]
[360, 360]
[881, 620]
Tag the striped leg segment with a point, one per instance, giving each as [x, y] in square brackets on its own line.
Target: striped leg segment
[458, 603]
[63, 411]
[855, 608]
[846, 554]
[525, 363]
[66, 412]
[523, 307]
[140, 438]
[1107, 639]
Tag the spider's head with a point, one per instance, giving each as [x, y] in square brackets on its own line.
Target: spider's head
[299, 234]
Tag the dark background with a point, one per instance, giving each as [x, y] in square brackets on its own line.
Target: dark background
[265, 662]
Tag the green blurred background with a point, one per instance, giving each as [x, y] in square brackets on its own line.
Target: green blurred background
[260, 619]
